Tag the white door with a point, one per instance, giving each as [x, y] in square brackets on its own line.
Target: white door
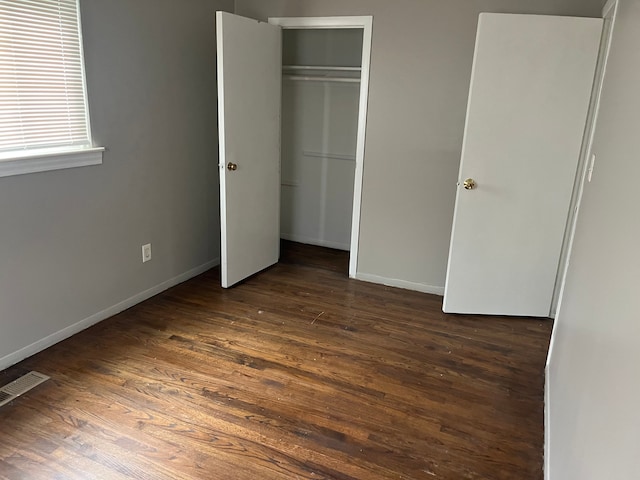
[249, 92]
[530, 89]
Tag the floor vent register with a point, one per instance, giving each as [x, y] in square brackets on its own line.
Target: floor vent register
[18, 387]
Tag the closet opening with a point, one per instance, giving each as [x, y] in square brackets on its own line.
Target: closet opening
[325, 72]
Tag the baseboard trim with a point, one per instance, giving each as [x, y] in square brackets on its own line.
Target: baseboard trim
[547, 431]
[392, 282]
[314, 241]
[46, 342]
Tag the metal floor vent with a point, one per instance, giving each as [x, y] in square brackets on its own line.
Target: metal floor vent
[21, 386]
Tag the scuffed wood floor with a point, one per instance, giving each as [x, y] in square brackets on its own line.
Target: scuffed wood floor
[299, 373]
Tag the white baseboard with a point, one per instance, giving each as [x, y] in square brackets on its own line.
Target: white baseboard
[67, 332]
[547, 418]
[315, 241]
[392, 282]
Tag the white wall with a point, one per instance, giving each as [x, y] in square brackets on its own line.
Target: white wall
[420, 72]
[594, 368]
[70, 239]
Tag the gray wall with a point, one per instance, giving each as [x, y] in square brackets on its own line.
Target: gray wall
[336, 47]
[70, 240]
[420, 71]
[594, 368]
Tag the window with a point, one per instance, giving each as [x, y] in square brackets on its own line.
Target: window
[44, 117]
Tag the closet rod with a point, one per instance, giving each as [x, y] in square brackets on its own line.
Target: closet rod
[322, 79]
[334, 156]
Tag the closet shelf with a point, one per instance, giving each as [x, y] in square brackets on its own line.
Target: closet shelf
[319, 78]
[321, 67]
[322, 73]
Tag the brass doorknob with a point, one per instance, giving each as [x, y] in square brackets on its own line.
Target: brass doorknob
[232, 167]
[469, 184]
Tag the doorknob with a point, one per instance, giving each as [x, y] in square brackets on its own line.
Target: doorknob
[232, 167]
[469, 184]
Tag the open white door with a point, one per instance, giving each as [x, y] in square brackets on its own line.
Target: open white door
[249, 103]
[530, 90]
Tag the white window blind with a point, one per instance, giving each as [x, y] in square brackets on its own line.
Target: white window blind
[42, 90]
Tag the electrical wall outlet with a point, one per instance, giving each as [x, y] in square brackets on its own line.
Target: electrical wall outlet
[146, 252]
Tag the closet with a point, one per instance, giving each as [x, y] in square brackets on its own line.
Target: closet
[291, 156]
[321, 72]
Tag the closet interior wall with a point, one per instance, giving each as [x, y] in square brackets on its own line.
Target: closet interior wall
[320, 101]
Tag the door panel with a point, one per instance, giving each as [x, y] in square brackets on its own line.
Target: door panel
[530, 89]
[249, 103]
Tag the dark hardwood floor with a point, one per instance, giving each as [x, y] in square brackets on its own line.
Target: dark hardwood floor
[298, 373]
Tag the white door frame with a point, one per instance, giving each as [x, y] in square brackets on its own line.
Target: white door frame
[366, 24]
[585, 164]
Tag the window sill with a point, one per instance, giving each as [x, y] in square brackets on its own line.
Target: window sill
[48, 159]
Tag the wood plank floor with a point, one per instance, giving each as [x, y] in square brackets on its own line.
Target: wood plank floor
[299, 373]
